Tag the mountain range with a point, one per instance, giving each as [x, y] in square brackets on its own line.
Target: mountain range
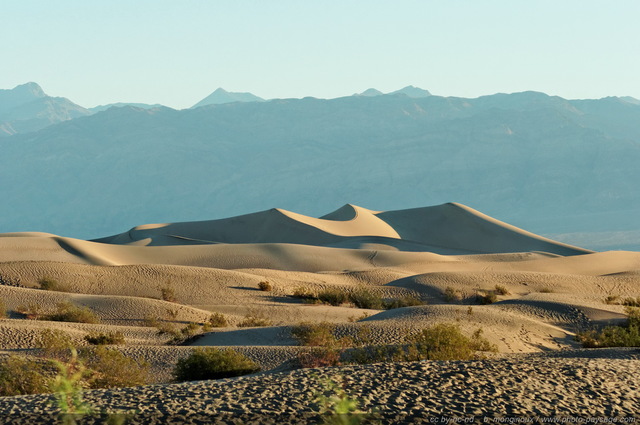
[562, 168]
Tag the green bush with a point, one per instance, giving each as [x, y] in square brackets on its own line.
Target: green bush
[439, 342]
[316, 334]
[363, 298]
[100, 338]
[627, 335]
[21, 375]
[67, 312]
[50, 284]
[406, 301]
[55, 344]
[265, 286]
[333, 296]
[110, 368]
[213, 363]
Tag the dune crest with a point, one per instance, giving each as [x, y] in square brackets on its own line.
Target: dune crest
[444, 229]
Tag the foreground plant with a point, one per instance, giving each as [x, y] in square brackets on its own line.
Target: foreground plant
[213, 363]
[339, 408]
[626, 335]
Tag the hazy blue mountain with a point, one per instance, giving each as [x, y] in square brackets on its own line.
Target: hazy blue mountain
[221, 96]
[27, 108]
[101, 108]
[370, 92]
[412, 91]
[543, 163]
[630, 99]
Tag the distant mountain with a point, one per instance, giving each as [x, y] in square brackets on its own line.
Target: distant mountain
[630, 99]
[221, 96]
[27, 108]
[370, 92]
[540, 162]
[412, 91]
[101, 108]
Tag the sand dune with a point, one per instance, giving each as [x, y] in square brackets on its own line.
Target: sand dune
[550, 290]
[443, 229]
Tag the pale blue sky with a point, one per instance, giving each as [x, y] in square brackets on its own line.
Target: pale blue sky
[177, 52]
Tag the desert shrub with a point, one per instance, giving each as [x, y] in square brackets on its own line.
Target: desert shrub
[190, 330]
[213, 363]
[333, 296]
[611, 299]
[627, 335]
[447, 342]
[100, 338]
[318, 357]
[631, 302]
[265, 286]
[254, 320]
[67, 312]
[167, 293]
[55, 344]
[50, 284]
[21, 375]
[31, 311]
[486, 298]
[501, 290]
[546, 290]
[451, 295]
[304, 293]
[315, 334]
[110, 368]
[218, 320]
[364, 298]
[406, 301]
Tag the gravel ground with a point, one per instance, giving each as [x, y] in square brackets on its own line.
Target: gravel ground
[580, 386]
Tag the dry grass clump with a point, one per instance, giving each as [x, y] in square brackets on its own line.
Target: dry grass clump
[631, 302]
[451, 295]
[361, 298]
[627, 335]
[50, 284]
[31, 311]
[213, 363]
[67, 312]
[217, 320]
[488, 297]
[254, 319]
[501, 290]
[612, 299]
[333, 296]
[546, 290]
[265, 286]
[167, 293]
[304, 293]
[101, 338]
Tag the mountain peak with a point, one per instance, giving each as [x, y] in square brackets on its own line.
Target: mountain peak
[370, 93]
[220, 96]
[30, 89]
[412, 91]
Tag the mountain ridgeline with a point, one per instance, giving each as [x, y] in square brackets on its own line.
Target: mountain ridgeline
[544, 163]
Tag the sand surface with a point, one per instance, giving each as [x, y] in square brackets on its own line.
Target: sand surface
[554, 290]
